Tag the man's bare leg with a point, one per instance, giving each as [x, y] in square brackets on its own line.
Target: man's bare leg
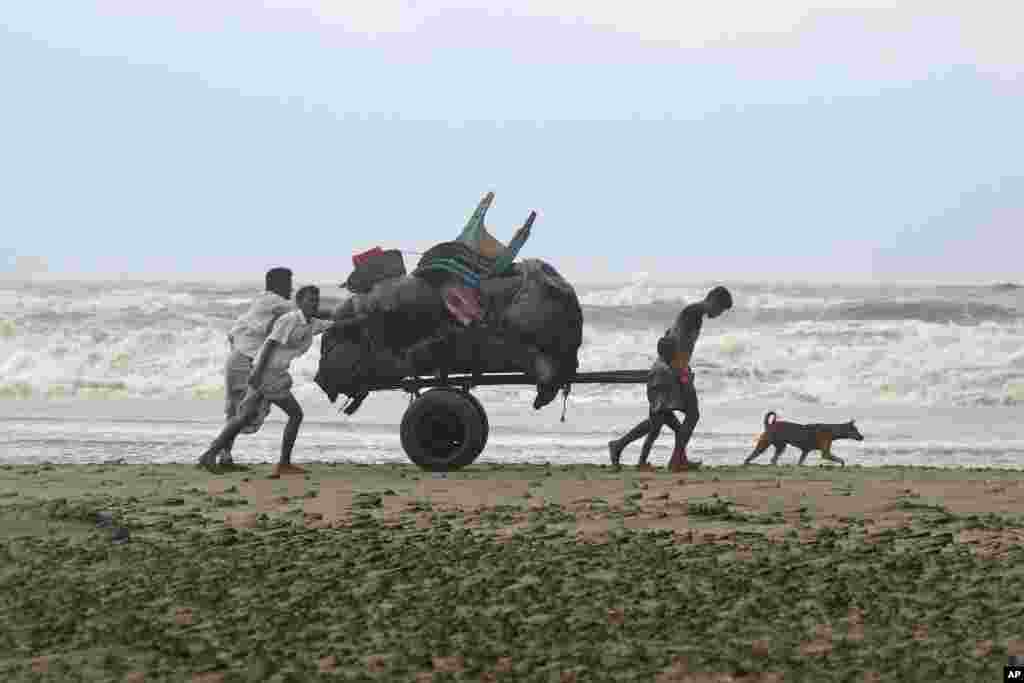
[675, 463]
[656, 421]
[227, 436]
[236, 369]
[293, 410]
[616, 446]
[679, 461]
[224, 458]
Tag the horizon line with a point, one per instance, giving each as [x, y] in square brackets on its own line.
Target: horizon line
[611, 280]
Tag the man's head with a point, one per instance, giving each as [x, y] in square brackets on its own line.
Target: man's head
[718, 301]
[308, 300]
[279, 281]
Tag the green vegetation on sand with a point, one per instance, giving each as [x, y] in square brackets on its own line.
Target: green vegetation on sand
[557, 574]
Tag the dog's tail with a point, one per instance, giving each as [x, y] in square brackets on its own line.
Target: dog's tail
[769, 419]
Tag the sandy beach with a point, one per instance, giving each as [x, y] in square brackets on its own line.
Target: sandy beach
[141, 431]
[510, 572]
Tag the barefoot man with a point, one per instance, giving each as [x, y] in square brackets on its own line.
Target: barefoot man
[271, 383]
[670, 385]
[245, 339]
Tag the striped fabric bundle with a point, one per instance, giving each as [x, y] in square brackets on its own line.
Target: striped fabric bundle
[453, 266]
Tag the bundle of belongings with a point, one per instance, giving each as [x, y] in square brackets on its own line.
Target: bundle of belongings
[467, 307]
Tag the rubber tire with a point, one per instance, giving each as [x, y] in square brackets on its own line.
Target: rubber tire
[483, 416]
[451, 410]
[479, 406]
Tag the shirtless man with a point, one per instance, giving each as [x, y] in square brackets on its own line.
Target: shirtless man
[670, 385]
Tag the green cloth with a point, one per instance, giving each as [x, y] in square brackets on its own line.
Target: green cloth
[471, 233]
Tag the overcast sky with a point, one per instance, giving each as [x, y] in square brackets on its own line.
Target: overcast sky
[691, 141]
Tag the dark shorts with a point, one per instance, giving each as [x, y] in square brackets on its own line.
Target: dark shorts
[668, 397]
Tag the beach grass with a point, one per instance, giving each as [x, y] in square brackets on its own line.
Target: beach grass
[509, 573]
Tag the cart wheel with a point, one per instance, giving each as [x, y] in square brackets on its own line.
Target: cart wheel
[483, 417]
[464, 393]
[444, 429]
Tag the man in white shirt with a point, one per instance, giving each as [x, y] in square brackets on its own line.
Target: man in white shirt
[245, 339]
[271, 383]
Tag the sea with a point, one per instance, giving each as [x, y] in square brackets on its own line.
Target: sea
[933, 375]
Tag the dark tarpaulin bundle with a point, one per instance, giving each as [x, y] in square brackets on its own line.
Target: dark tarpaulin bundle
[527, 319]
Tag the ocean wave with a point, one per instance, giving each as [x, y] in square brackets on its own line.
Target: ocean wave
[761, 304]
[759, 311]
[828, 346]
[933, 311]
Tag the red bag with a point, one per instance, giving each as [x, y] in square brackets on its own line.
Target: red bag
[372, 267]
[360, 259]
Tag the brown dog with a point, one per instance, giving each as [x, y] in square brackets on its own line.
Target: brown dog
[812, 437]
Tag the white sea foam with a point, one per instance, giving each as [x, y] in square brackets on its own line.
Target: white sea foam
[823, 346]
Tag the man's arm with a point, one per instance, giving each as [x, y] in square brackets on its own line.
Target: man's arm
[275, 314]
[324, 314]
[686, 330]
[282, 330]
[327, 308]
[320, 326]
